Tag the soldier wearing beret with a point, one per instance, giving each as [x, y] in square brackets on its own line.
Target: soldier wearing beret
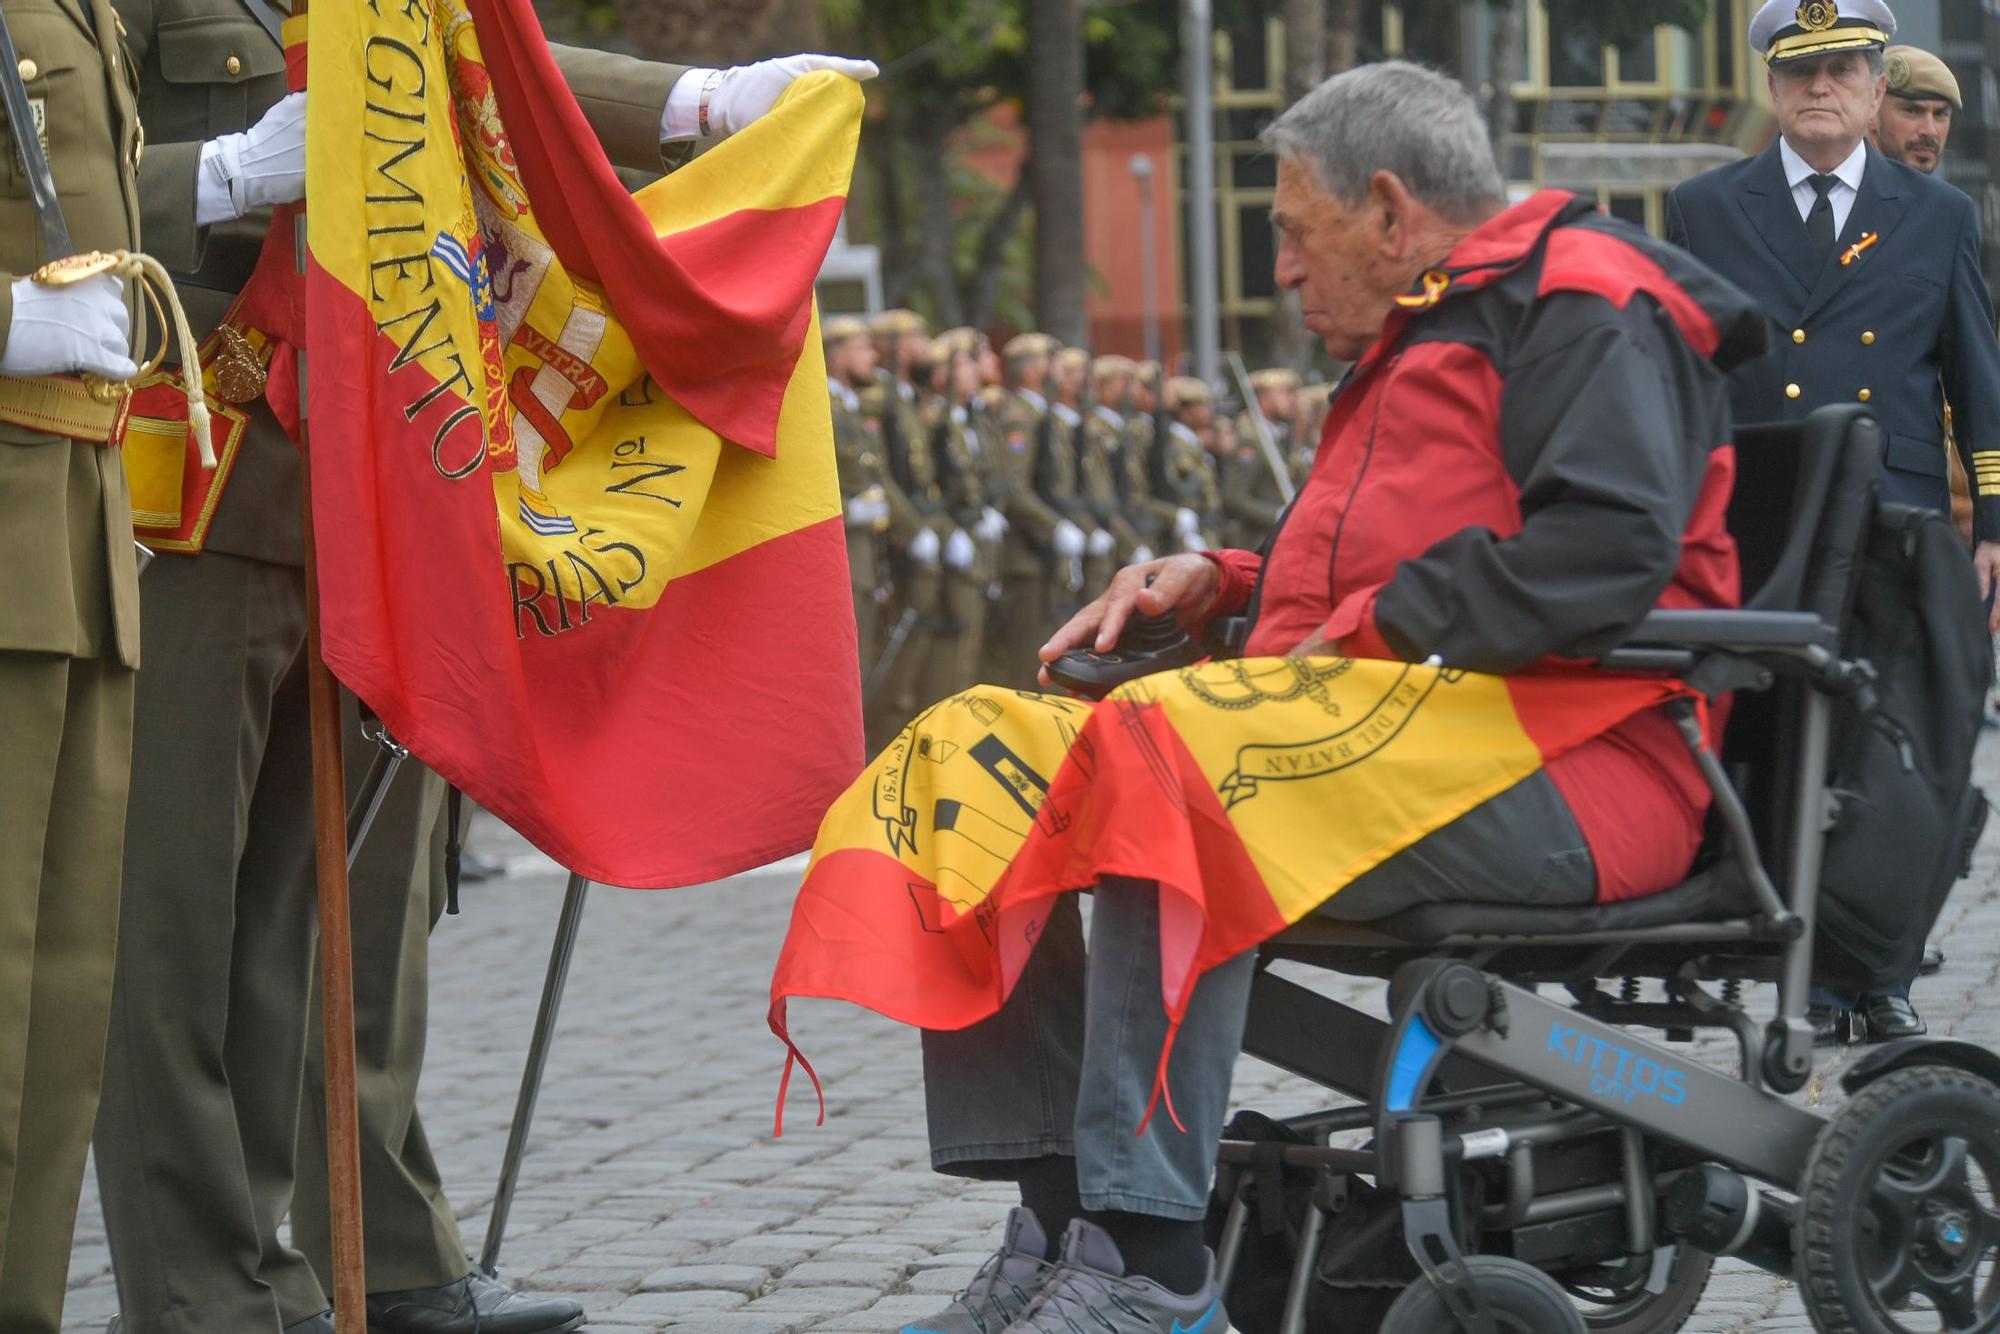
[1107, 474]
[1872, 271]
[1038, 535]
[850, 357]
[1072, 490]
[965, 458]
[1163, 524]
[1251, 500]
[1915, 120]
[69, 641]
[1191, 473]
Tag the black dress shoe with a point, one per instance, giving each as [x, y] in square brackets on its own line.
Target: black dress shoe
[313, 1324]
[1891, 1017]
[1833, 1025]
[1932, 961]
[475, 1304]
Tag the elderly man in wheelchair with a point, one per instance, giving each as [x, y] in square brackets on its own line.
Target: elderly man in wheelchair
[1526, 481]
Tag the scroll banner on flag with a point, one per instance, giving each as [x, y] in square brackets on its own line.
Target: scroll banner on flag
[1252, 791]
[579, 528]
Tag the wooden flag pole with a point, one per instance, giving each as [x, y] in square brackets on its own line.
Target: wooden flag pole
[336, 940]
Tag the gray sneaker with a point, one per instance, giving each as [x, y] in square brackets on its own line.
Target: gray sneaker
[1003, 1287]
[1090, 1294]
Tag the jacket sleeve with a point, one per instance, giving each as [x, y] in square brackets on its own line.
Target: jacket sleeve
[1971, 362]
[1677, 231]
[624, 99]
[1606, 421]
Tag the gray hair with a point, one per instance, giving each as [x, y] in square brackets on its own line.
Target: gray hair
[1414, 123]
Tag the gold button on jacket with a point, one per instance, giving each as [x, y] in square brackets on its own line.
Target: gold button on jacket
[1792, 391]
[233, 65]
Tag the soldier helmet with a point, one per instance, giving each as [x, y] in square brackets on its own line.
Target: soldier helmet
[890, 323]
[1273, 379]
[840, 328]
[1023, 347]
[1917, 74]
[1185, 391]
[1786, 30]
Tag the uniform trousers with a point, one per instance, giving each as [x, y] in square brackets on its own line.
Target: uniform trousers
[396, 894]
[1066, 1067]
[1018, 628]
[202, 1073]
[65, 753]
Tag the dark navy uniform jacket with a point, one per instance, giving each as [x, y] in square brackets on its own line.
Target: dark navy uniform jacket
[1905, 325]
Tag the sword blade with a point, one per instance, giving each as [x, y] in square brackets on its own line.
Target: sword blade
[28, 143]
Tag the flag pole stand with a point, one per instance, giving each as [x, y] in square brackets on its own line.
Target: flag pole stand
[331, 845]
[531, 1074]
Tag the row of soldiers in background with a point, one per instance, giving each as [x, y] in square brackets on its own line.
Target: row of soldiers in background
[989, 495]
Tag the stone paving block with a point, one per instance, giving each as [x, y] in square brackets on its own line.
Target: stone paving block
[747, 1279]
[875, 1274]
[817, 1302]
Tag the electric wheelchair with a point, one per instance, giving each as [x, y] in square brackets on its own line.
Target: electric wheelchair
[1553, 1170]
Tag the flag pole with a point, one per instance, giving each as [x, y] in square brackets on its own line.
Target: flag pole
[336, 940]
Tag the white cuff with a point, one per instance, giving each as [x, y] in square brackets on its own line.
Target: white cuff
[682, 117]
[212, 203]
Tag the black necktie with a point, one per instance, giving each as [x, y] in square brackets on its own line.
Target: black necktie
[1819, 222]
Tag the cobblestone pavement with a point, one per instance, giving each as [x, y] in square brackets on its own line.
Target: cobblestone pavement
[654, 1191]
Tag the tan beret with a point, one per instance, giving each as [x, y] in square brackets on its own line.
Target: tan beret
[1915, 72]
[1107, 366]
[1072, 359]
[1147, 373]
[1186, 391]
[1273, 378]
[899, 321]
[1022, 346]
[1315, 394]
[954, 341]
[841, 328]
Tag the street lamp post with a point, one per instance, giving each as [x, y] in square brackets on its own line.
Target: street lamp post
[1198, 45]
[1149, 275]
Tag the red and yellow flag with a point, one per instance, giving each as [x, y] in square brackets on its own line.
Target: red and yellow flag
[579, 531]
[1252, 791]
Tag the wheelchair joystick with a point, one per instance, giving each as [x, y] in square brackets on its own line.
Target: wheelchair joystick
[1149, 644]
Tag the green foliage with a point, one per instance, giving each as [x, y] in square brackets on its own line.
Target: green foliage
[1625, 23]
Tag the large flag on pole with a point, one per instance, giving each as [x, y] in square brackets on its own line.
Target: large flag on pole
[580, 532]
[1252, 791]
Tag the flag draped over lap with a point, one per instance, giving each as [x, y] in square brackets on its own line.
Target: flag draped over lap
[579, 529]
[1252, 791]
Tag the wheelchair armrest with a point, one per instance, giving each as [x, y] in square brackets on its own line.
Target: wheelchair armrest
[1743, 631]
[1225, 636]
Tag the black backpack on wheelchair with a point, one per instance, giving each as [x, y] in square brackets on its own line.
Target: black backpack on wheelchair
[1548, 1168]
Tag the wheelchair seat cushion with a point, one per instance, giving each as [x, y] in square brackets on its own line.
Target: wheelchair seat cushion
[1709, 895]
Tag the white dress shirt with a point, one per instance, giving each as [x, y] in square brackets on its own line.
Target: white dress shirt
[1799, 174]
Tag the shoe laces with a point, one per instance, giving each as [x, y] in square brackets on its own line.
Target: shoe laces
[1073, 1299]
[985, 1290]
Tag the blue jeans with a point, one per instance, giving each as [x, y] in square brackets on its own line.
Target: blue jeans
[1067, 1065]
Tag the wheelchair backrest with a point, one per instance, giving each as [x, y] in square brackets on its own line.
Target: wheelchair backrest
[1800, 511]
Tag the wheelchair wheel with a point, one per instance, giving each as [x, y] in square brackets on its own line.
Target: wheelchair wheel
[1524, 1301]
[1616, 1301]
[1898, 1226]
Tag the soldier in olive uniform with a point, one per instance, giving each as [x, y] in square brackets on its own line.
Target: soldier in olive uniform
[918, 534]
[1190, 469]
[196, 1150]
[69, 640]
[1155, 514]
[965, 462]
[1038, 536]
[1314, 400]
[1107, 482]
[1251, 500]
[1076, 496]
[850, 356]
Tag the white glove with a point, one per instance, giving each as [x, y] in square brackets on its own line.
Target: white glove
[993, 524]
[1101, 543]
[82, 327]
[867, 509]
[1069, 540]
[1142, 556]
[265, 164]
[1193, 542]
[959, 551]
[924, 548]
[1187, 523]
[743, 93]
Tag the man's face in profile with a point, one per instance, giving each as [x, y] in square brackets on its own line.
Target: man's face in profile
[1328, 253]
[1913, 130]
[1825, 104]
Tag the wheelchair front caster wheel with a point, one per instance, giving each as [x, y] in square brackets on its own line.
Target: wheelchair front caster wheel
[1522, 1298]
[1898, 1225]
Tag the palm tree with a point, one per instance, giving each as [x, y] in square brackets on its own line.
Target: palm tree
[1055, 160]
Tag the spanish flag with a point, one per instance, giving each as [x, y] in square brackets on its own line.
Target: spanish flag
[579, 530]
[1252, 791]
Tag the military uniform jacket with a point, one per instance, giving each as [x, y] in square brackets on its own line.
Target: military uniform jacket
[1907, 312]
[916, 501]
[65, 512]
[961, 465]
[209, 68]
[1105, 480]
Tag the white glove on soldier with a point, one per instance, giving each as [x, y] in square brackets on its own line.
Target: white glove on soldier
[959, 551]
[1142, 556]
[992, 524]
[1069, 539]
[1187, 523]
[924, 549]
[867, 510]
[265, 164]
[1101, 543]
[742, 93]
[1193, 542]
[82, 327]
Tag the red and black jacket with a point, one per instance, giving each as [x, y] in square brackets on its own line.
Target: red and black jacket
[1533, 456]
